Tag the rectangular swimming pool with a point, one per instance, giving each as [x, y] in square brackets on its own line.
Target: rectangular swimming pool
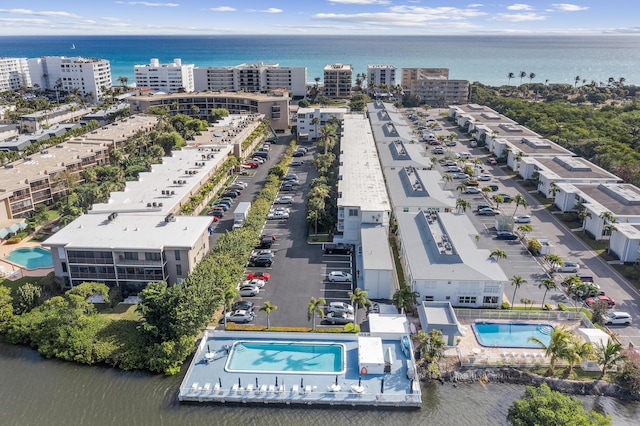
[511, 335]
[286, 357]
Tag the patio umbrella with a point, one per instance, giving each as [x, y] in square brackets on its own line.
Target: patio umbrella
[4, 232]
[276, 381]
[208, 349]
[220, 381]
[382, 386]
[301, 382]
[239, 385]
[336, 380]
[411, 387]
[257, 382]
[360, 381]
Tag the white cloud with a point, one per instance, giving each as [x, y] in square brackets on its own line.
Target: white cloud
[222, 9]
[271, 10]
[360, 1]
[149, 4]
[475, 5]
[38, 13]
[566, 7]
[518, 17]
[520, 6]
[25, 21]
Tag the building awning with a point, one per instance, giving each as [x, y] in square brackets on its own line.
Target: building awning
[11, 226]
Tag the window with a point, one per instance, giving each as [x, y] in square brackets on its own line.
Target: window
[178, 270]
[464, 300]
[129, 255]
[152, 256]
[405, 209]
[64, 267]
[490, 299]
[177, 252]
[353, 212]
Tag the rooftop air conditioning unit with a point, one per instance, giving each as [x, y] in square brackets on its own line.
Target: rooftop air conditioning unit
[173, 192]
[148, 204]
[155, 204]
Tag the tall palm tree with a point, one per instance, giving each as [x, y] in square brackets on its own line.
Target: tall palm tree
[498, 254]
[447, 179]
[461, 187]
[608, 355]
[548, 284]
[532, 75]
[498, 199]
[583, 214]
[405, 298]
[576, 80]
[315, 307]
[519, 200]
[326, 137]
[462, 204]
[315, 121]
[268, 307]
[554, 260]
[523, 74]
[316, 201]
[553, 188]
[510, 76]
[230, 295]
[558, 342]
[516, 282]
[576, 351]
[358, 298]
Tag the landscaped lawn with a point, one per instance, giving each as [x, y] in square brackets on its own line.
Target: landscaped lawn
[119, 312]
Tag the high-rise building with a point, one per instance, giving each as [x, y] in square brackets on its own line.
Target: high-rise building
[259, 77]
[338, 80]
[433, 87]
[14, 74]
[381, 74]
[170, 78]
[89, 76]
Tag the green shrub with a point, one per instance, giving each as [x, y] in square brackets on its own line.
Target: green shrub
[505, 306]
[562, 307]
[548, 307]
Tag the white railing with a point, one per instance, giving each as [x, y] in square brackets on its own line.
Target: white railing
[492, 314]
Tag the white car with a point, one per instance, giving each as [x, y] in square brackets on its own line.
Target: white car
[463, 154]
[460, 176]
[454, 169]
[340, 307]
[568, 267]
[280, 210]
[240, 316]
[241, 183]
[339, 276]
[287, 199]
[523, 218]
[258, 283]
[618, 318]
[339, 318]
[472, 190]
[278, 215]
[484, 177]
[249, 290]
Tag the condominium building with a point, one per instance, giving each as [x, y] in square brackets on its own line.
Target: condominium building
[378, 75]
[433, 87]
[14, 74]
[338, 80]
[89, 76]
[170, 78]
[275, 108]
[259, 77]
[311, 120]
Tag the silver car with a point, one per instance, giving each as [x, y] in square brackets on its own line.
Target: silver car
[339, 318]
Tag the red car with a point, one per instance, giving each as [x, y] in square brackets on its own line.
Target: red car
[259, 276]
[492, 161]
[593, 300]
[436, 142]
[251, 164]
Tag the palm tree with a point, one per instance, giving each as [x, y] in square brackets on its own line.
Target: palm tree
[574, 284]
[519, 200]
[405, 299]
[430, 344]
[316, 201]
[553, 188]
[608, 355]
[575, 352]
[462, 204]
[576, 80]
[461, 187]
[315, 121]
[123, 80]
[498, 254]
[525, 229]
[498, 199]
[554, 260]
[532, 75]
[523, 74]
[548, 284]
[230, 295]
[315, 307]
[358, 298]
[558, 342]
[268, 307]
[510, 76]
[583, 214]
[326, 137]
[447, 179]
[516, 282]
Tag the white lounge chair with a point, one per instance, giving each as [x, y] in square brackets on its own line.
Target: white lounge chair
[216, 387]
[294, 389]
[194, 386]
[307, 389]
[272, 389]
[263, 389]
[249, 388]
[234, 388]
[207, 387]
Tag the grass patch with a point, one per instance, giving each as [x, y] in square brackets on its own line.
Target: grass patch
[396, 260]
[119, 312]
[320, 238]
[13, 285]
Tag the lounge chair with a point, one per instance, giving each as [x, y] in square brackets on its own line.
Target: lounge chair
[249, 388]
[234, 388]
[294, 389]
[263, 389]
[272, 389]
[195, 387]
[207, 387]
[216, 387]
[307, 389]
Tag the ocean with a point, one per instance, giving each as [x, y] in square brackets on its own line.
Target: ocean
[484, 58]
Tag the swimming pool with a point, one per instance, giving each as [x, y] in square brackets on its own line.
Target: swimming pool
[286, 357]
[511, 335]
[31, 258]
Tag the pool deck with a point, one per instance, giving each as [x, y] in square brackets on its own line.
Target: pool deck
[207, 381]
[13, 271]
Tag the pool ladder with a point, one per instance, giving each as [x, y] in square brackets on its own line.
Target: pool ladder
[545, 329]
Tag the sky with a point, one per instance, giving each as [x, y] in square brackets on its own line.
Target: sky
[401, 17]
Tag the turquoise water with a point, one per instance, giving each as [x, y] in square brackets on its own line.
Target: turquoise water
[484, 58]
[511, 335]
[286, 357]
[31, 258]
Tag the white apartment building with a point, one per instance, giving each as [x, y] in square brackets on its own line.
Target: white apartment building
[90, 76]
[338, 79]
[14, 74]
[433, 86]
[169, 78]
[381, 74]
[308, 129]
[259, 77]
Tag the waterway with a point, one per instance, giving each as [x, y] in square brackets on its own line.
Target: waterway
[37, 391]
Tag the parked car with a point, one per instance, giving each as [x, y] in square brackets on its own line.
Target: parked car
[277, 215]
[259, 160]
[249, 291]
[240, 315]
[472, 190]
[568, 267]
[463, 154]
[471, 182]
[287, 199]
[448, 163]
[262, 154]
[290, 176]
[595, 299]
[236, 187]
[435, 142]
[438, 150]
[217, 213]
[288, 186]
[522, 218]
[302, 148]
[339, 318]
[298, 154]
[230, 194]
[296, 163]
[265, 276]
[251, 164]
[617, 318]
[506, 235]
[340, 307]
[492, 161]
[222, 206]
[245, 305]
[254, 281]
[493, 187]
[460, 176]
[451, 143]
[483, 206]
[265, 244]
[506, 198]
[261, 262]
[485, 177]
[338, 248]
[488, 212]
[263, 253]
[339, 276]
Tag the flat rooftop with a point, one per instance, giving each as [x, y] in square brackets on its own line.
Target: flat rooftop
[482, 114]
[510, 130]
[376, 254]
[441, 247]
[621, 199]
[362, 182]
[573, 168]
[534, 146]
[208, 379]
[120, 130]
[130, 232]
[414, 187]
